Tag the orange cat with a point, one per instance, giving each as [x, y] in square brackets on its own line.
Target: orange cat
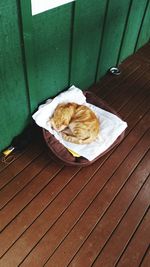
[77, 123]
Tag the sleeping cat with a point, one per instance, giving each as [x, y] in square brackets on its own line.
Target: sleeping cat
[77, 123]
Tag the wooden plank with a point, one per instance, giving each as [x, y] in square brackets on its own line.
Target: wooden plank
[142, 54]
[136, 70]
[134, 101]
[24, 234]
[21, 221]
[19, 164]
[131, 118]
[106, 84]
[127, 89]
[134, 22]
[47, 39]
[14, 108]
[144, 35]
[16, 228]
[124, 103]
[130, 224]
[92, 215]
[135, 212]
[54, 54]
[4, 165]
[146, 259]
[127, 94]
[72, 214]
[138, 243]
[55, 208]
[23, 178]
[88, 28]
[105, 227]
[135, 111]
[113, 31]
[14, 207]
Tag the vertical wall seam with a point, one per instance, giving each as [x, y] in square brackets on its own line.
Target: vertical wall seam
[124, 31]
[26, 15]
[101, 40]
[22, 45]
[135, 48]
[71, 42]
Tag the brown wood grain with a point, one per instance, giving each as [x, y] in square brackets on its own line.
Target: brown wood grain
[98, 180]
[16, 155]
[100, 205]
[132, 218]
[82, 217]
[56, 208]
[100, 237]
[123, 150]
[18, 203]
[146, 259]
[137, 246]
[23, 178]
[19, 164]
[108, 82]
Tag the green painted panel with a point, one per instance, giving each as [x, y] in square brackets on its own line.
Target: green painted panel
[72, 44]
[144, 35]
[13, 98]
[113, 32]
[88, 27]
[132, 29]
[47, 40]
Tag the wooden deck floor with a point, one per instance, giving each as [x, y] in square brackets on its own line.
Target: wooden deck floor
[58, 216]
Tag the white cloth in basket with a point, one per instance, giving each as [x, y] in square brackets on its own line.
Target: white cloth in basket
[110, 125]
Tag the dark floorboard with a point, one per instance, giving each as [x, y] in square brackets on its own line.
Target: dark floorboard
[98, 216]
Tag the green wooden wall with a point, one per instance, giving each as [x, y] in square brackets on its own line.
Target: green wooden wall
[14, 107]
[72, 44]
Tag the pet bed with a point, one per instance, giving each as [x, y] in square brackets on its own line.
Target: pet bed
[61, 154]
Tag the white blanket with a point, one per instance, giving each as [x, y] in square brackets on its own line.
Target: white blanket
[110, 125]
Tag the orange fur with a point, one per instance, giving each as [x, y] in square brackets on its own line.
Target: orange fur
[77, 123]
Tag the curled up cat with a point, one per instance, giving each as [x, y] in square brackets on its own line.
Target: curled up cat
[77, 123]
